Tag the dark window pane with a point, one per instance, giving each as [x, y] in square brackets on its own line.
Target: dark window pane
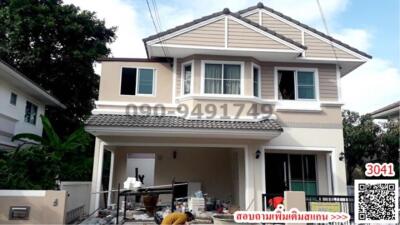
[309, 168]
[128, 81]
[13, 99]
[306, 92]
[305, 78]
[255, 82]
[213, 71]
[296, 167]
[212, 86]
[306, 87]
[232, 87]
[30, 113]
[231, 71]
[145, 81]
[286, 84]
[187, 79]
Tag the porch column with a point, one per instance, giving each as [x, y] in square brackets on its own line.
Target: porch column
[255, 176]
[96, 174]
[110, 181]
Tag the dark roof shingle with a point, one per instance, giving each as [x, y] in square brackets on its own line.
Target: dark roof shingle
[147, 121]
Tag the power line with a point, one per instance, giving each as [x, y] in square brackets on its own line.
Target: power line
[326, 29]
[158, 20]
[155, 27]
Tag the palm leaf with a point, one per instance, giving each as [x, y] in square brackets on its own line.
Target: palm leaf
[53, 139]
[78, 138]
[28, 136]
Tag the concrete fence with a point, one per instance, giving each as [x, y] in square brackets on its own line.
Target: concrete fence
[32, 207]
[78, 200]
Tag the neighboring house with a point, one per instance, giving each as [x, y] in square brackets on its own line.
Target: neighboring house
[389, 112]
[21, 103]
[269, 89]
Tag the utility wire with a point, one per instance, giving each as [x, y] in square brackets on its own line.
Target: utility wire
[155, 26]
[321, 12]
[158, 20]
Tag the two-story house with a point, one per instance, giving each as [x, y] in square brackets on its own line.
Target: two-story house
[242, 103]
[21, 103]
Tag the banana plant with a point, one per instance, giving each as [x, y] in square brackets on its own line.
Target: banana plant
[52, 141]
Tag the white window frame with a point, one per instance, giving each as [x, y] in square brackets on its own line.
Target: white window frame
[203, 64]
[191, 63]
[259, 79]
[137, 81]
[296, 70]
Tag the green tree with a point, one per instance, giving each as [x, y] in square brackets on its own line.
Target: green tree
[56, 45]
[39, 161]
[365, 141]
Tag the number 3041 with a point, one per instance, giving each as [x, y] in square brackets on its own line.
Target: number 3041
[377, 169]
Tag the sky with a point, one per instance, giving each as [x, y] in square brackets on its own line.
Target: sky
[372, 26]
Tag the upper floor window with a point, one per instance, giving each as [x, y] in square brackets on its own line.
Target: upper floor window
[137, 81]
[30, 113]
[220, 78]
[187, 78]
[13, 98]
[296, 84]
[256, 81]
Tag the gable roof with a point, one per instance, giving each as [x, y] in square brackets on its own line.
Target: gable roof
[391, 109]
[330, 38]
[226, 11]
[21, 81]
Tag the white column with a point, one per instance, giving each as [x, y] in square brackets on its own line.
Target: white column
[96, 175]
[329, 172]
[334, 172]
[110, 181]
[255, 177]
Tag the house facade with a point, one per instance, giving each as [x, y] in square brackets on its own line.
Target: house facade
[22, 101]
[240, 104]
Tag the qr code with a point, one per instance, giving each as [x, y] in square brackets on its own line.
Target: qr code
[376, 201]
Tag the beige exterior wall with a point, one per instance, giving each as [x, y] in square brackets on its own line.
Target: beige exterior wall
[316, 48]
[327, 78]
[326, 74]
[110, 82]
[215, 168]
[314, 140]
[329, 117]
[320, 49]
[42, 208]
[209, 35]
[240, 36]
[253, 17]
[281, 28]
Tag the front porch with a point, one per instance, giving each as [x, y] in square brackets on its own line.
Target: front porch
[230, 171]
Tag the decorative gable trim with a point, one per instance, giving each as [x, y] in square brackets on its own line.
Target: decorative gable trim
[226, 15]
[306, 29]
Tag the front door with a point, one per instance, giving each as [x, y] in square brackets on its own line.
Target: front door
[293, 172]
[277, 174]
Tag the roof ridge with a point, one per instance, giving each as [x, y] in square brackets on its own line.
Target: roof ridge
[260, 5]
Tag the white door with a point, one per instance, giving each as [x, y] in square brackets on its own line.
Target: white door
[143, 164]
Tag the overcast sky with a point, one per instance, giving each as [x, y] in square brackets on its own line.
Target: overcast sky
[369, 25]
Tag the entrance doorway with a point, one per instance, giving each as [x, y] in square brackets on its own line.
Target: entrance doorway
[141, 165]
[292, 172]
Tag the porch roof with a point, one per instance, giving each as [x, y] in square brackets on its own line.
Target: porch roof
[150, 121]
